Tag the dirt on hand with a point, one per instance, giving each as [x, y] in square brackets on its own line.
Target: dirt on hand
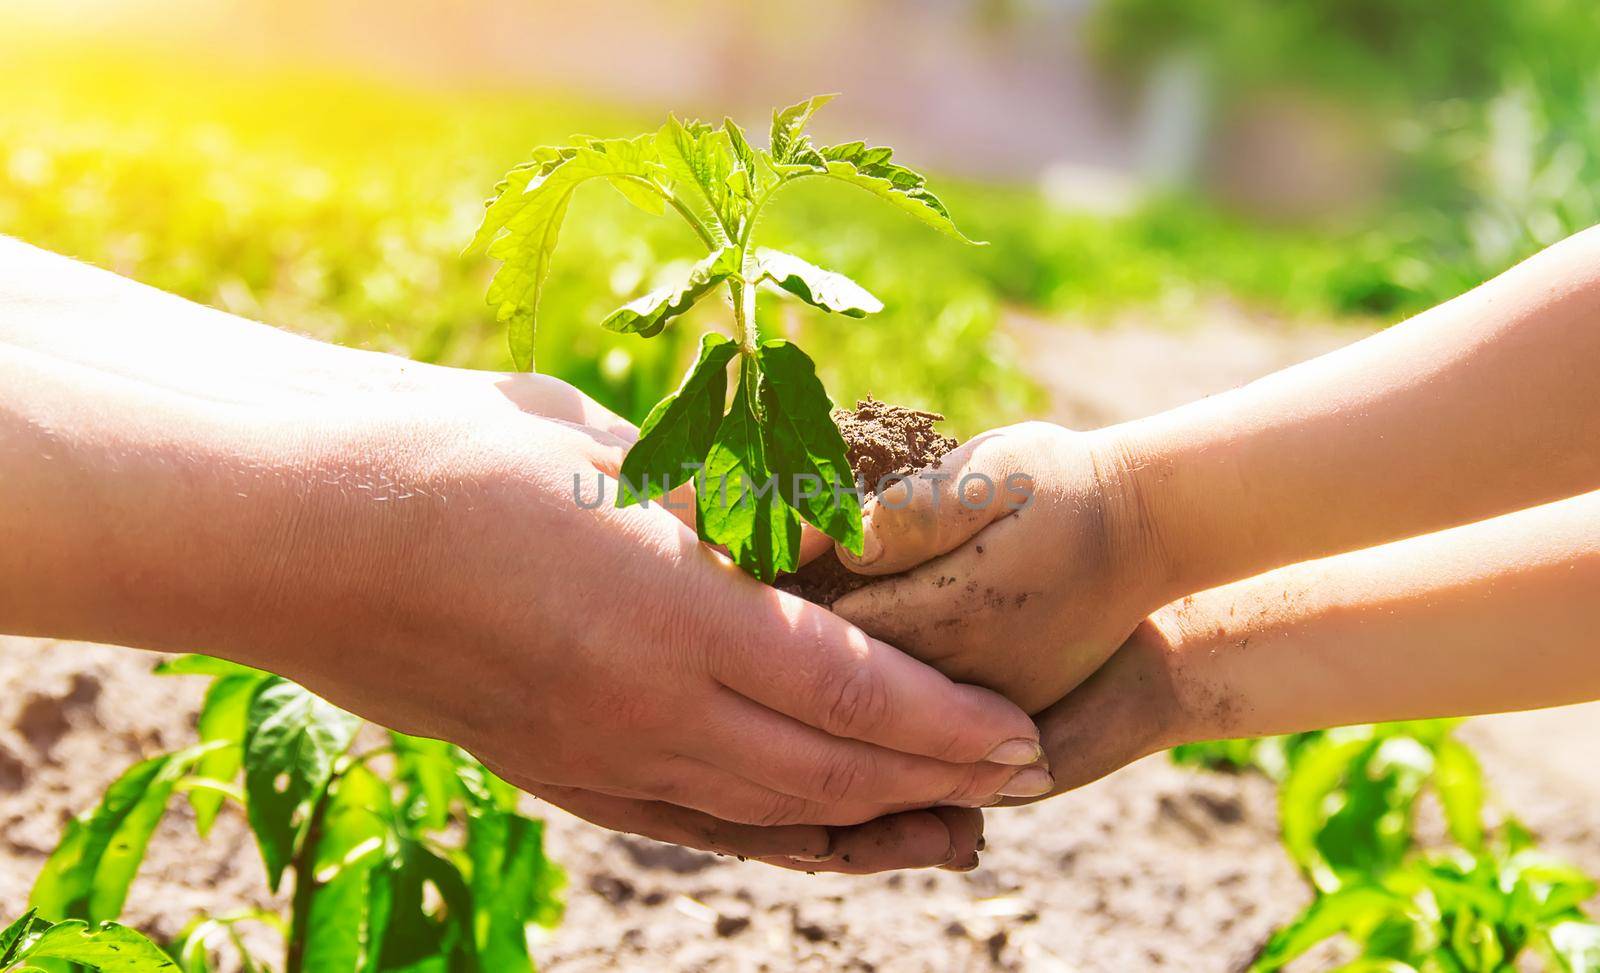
[882, 442]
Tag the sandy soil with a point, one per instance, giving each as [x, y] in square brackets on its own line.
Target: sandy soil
[1154, 868]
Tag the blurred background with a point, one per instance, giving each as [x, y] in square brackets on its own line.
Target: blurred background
[1180, 195]
[1162, 164]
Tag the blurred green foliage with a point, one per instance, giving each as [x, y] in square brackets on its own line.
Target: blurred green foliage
[1488, 108]
[340, 208]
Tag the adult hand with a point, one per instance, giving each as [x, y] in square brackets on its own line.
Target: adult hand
[1029, 601]
[608, 650]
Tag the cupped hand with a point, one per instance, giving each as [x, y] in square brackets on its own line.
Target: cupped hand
[1017, 563]
[608, 650]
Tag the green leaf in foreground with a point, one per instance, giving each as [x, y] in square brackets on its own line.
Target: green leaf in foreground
[680, 428]
[820, 288]
[106, 948]
[803, 445]
[88, 874]
[18, 933]
[527, 217]
[740, 507]
[291, 742]
[648, 315]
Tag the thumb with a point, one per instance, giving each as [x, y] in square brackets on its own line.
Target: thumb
[938, 509]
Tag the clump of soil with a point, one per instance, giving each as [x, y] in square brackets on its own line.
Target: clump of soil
[883, 442]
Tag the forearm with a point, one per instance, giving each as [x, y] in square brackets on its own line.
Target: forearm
[1495, 616]
[76, 313]
[1478, 407]
[128, 509]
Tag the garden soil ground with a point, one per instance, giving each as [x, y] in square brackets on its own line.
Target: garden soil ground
[1155, 868]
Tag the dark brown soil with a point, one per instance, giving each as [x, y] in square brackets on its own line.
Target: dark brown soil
[883, 442]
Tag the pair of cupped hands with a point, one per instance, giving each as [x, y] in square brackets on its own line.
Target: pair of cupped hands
[659, 691]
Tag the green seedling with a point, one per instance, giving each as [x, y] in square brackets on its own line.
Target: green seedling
[774, 457]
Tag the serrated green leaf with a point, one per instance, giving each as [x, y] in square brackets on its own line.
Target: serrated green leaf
[753, 173]
[292, 739]
[222, 721]
[740, 507]
[88, 874]
[803, 445]
[204, 665]
[524, 225]
[699, 160]
[648, 315]
[106, 948]
[680, 429]
[905, 194]
[789, 140]
[820, 288]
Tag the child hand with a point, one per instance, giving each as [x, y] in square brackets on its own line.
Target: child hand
[1029, 601]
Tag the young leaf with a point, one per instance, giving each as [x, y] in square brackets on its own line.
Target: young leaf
[699, 159]
[106, 948]
[528, 214]
[680, 428]
[890, 185]
[789, 141]
[740, 507]
[819, 288]
[222, 720]
[88, 875]
[752, 174]
[803, 443]
[291, 741]
[647, 315]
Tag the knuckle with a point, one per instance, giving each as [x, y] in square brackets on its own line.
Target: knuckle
[837, 777]
[974, 782]
[952, 744]
[776, 810]
[855, 702]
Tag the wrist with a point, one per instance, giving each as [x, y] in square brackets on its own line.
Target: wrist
[1137, 514]
[1178, 640]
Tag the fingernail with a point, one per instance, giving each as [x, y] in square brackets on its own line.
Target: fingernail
[982, 843]
[976, 802]
[1028, 782]
[871, 547]
[966, 864]
[814, 859]
[1016, 753]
